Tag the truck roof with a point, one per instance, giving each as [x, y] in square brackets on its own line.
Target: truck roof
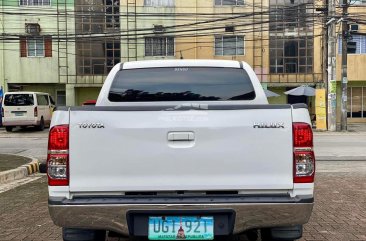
[181, 63]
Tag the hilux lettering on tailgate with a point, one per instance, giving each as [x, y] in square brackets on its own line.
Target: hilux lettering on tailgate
[91, 125]
[275, 125]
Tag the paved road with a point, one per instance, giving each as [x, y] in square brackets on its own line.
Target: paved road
[339, 212]
[27, 142]
[340, 146]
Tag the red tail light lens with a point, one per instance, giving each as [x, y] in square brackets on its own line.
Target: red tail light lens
[304, 158]
[303, 135]
[58, 156]
[59, 138]
[35, 111]
[2, 112]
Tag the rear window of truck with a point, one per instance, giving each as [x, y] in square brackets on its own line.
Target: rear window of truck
[181, 84]
[19, 100]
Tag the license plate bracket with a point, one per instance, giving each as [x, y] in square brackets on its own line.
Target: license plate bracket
[19, 113]
[138, 220]
[181, 228]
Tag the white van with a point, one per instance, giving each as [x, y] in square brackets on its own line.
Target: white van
[26, 109]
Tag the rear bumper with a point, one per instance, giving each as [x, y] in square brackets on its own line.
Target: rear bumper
[113, 213]
[34, 122]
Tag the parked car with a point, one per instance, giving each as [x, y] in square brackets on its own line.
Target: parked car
[26, 109]
[89, 102]
[185, 149]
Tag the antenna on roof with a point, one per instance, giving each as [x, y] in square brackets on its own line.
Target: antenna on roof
[181, 55]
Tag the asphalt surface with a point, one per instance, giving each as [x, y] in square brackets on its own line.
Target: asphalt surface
[8, 162]
[26, 142]
[339, 211]
[338, 146]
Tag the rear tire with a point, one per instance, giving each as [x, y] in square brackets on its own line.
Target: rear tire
[252, 235]
[74, 234]
[9, 128]
[135, 238]
[41, 125]
[266, 235]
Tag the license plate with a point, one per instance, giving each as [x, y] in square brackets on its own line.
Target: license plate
[19, 113]
[181, 228]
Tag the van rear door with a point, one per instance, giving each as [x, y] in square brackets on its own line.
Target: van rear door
[18, 107]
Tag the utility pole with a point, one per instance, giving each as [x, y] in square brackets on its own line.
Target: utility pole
[345, 30]
[331, 68]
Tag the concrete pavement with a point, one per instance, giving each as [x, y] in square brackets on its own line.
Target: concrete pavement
[8, 162]
[26, 142]
[348, 146]
[14, 167]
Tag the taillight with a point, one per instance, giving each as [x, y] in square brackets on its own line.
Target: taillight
[58, 156]
[35, 111]
[304, 158]
[2, 112]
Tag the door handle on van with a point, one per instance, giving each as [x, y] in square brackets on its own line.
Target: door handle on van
[181, 136]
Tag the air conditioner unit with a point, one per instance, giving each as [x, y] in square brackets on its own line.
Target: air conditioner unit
[230, 28]
[32, 28]
[353, 28]
[159, 29]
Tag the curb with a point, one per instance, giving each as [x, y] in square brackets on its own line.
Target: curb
[20, 172]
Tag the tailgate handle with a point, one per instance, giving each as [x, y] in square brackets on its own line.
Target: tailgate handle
[180, 136]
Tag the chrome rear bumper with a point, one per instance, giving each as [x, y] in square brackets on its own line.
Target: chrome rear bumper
[111, 215]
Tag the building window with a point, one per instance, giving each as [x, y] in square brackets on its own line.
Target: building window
[356, 45]
[290, 55]
[159, 46]
[36, 46]
[61, 97]
[159, 3]
[97, 16]
[112, 14]
[229, 2]
[291, 37]
[35, 2]
[229, 45]
[356, 104]
[97, 55]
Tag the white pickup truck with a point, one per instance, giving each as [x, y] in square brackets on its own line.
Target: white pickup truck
[181, 149]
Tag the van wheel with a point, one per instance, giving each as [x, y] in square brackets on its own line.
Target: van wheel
[9, 128]
[73, 234]
[41, 125]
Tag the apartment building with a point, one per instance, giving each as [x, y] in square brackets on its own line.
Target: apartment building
[67, 47]
[356, 102]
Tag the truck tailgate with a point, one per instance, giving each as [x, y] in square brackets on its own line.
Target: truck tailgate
[180, 150]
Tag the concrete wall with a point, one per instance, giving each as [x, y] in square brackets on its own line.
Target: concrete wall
[47, 88]
[86, 93]
[146, 22]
